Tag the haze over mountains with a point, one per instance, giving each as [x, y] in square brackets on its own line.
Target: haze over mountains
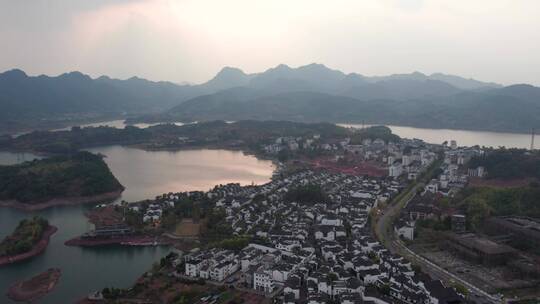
[308, 93]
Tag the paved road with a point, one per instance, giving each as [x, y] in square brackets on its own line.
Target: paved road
[383, 229]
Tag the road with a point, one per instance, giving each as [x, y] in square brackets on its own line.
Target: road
[383, 229]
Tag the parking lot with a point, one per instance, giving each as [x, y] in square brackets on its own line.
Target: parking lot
[491, 279]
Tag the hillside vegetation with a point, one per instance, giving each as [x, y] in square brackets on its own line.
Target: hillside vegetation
[27, 233]
[246, 133]
[311, 93]
[480, 203]
[74, 175]
[508, 163]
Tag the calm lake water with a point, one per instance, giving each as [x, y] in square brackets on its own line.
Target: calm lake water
[463, 137]
[435, 136]
[8, 158]
[145, 175]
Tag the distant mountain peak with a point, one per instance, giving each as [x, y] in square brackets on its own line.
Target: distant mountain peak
[228, 77]
[226, 71]
[75, 75]
[315, 65]
[14, 73]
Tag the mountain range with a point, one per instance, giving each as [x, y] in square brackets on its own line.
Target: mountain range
[308, 93]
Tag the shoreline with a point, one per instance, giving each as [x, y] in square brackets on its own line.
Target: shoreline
[132, 240]
[62, 201]
[36, 250]
[340, 123]
[32, 289]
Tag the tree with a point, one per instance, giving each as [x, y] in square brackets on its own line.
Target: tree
[477, 211]
[460, 289]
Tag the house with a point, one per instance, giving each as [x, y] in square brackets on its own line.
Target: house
[404, 229]
[263, 281]
[395, 170]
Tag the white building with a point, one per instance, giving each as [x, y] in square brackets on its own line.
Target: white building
[262, 281]
[395, 170]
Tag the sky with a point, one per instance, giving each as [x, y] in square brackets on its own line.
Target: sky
[191, 40]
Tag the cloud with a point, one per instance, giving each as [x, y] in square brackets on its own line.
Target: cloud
[192, 39]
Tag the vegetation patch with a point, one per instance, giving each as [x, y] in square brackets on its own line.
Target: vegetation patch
[27, 233]
[79, 174]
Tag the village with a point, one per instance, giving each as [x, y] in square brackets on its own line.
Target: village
[315, 252]
[307, 236]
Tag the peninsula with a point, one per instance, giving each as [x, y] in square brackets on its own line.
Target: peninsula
[36, 287]
[73, 178]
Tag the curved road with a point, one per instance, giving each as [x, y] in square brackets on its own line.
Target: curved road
[384, 231]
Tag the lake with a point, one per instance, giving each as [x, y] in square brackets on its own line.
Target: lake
[462, 137]
[8, 158]
[145, 175]
[435, 136]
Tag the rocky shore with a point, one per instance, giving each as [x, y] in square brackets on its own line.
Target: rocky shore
[36, 287]
[62, 201]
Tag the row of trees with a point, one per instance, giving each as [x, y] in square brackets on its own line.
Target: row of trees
[508, 163]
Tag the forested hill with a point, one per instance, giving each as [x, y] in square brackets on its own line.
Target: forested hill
[80, 174]
[219, 133]
[315, 93]
[494, 110]
[311, 93]
[508, 164]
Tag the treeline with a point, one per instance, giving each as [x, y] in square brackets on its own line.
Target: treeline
[75, 139]
[77, 174]
[480, 203]
[508, 163]
[27, 233]
[247, 133]
[375, 132]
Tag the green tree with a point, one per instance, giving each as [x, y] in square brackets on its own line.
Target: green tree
[477, 211]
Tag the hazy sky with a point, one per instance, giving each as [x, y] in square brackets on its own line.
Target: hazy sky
[190, 40]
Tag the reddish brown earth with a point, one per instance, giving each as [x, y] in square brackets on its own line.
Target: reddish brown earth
[38, 248]
[500, 183]
[36, 287]
[355, 168]
[104, 216]
[63, 201]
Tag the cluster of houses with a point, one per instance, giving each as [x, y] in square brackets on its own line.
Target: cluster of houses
[452, 178]
[313, 252]
[409, 158]
[290, 143]
[152, 211]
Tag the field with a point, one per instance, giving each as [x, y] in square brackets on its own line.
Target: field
[500, 183]
[104, 216]
[188, 228]
[352, 167]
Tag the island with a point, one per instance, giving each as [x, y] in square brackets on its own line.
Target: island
[29, 239]
[36, 287]
[71, 178]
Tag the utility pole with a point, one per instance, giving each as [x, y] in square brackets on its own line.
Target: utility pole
[532, 139]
